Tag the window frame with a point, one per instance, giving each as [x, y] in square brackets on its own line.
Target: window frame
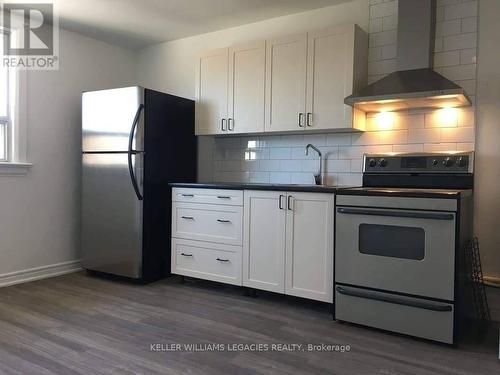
[15, 162]
[6, 121]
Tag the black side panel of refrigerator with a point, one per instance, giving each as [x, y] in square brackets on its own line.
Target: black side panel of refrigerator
[170, 155]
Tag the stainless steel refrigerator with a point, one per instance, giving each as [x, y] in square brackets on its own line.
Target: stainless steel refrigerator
[134, 142]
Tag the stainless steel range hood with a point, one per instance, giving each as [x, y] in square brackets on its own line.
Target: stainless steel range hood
[415, 84]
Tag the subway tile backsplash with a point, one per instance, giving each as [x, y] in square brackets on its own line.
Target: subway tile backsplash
[282, 159]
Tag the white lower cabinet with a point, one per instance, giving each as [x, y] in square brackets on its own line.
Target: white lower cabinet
[270, 240]
[264, 240]
[309, 246]
[207, 234]
[288, 243]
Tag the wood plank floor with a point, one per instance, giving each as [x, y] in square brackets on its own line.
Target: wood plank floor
[81, 324]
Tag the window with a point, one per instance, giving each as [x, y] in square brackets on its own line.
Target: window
[12, 116]
[5, 118]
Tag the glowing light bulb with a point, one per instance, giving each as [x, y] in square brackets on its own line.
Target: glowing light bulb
[385, 120]
[448, 116]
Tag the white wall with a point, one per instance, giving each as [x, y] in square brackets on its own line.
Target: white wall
[170, 66]
[40, 212]
[487, 176]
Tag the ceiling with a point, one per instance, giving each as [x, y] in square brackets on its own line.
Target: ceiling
[135, 24]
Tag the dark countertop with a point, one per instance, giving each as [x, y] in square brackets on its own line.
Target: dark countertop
[249, 186]
[399, 192]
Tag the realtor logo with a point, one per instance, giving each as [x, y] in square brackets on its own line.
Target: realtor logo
[32, 35]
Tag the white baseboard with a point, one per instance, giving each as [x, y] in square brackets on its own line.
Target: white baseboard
[38, 273]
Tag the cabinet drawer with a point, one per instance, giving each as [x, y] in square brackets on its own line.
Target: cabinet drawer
[407, 315]
[207, 261]
[207, 222]
[208, 196]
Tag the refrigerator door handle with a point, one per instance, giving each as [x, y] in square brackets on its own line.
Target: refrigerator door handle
[133, 152]
[134, 126]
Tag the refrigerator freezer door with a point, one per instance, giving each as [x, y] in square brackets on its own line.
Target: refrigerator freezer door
[107, 119]
[112, 214]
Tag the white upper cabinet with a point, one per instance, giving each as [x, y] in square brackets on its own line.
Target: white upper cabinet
[309, 246]
[336, 66]
[293, 83]
[211, 92]
[247, 67]
[286, 74]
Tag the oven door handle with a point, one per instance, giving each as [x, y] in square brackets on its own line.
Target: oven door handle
[426, 305]
[413, 215]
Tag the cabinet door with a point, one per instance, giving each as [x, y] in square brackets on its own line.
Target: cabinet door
[264, 240]
[286, 63]
[330, 78]
[309, 246]
[211, 93]
[247, 66]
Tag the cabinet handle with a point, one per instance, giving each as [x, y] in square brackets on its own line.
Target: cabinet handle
[280, 205]
[223, 124]
[186, 255]
[300, 119]
[223, 221]
[223, 197]
[188, 195]
[229, 122]
[222, 260]
[309, 119]
[188, 217]
[289, 203]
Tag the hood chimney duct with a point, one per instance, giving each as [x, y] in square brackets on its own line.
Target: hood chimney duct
[416, 34]
[415, 84]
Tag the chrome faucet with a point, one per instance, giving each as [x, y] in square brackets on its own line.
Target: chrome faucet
[318, 178]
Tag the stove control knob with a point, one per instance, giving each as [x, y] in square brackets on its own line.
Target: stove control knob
[434, 162]
[448, 162]
[382, 162]
[462, 162]
[372, 163]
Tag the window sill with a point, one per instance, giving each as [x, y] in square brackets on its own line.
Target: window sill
[14, 169]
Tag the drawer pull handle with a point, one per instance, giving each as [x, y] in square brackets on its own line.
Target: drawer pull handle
[186, 255]
[426, 305]
[223, 221]
[188, 195]
[188, 217]
[390, 213]
[223, 197]
[223, 260]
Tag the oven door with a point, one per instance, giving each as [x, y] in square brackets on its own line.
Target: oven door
[406, 251]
